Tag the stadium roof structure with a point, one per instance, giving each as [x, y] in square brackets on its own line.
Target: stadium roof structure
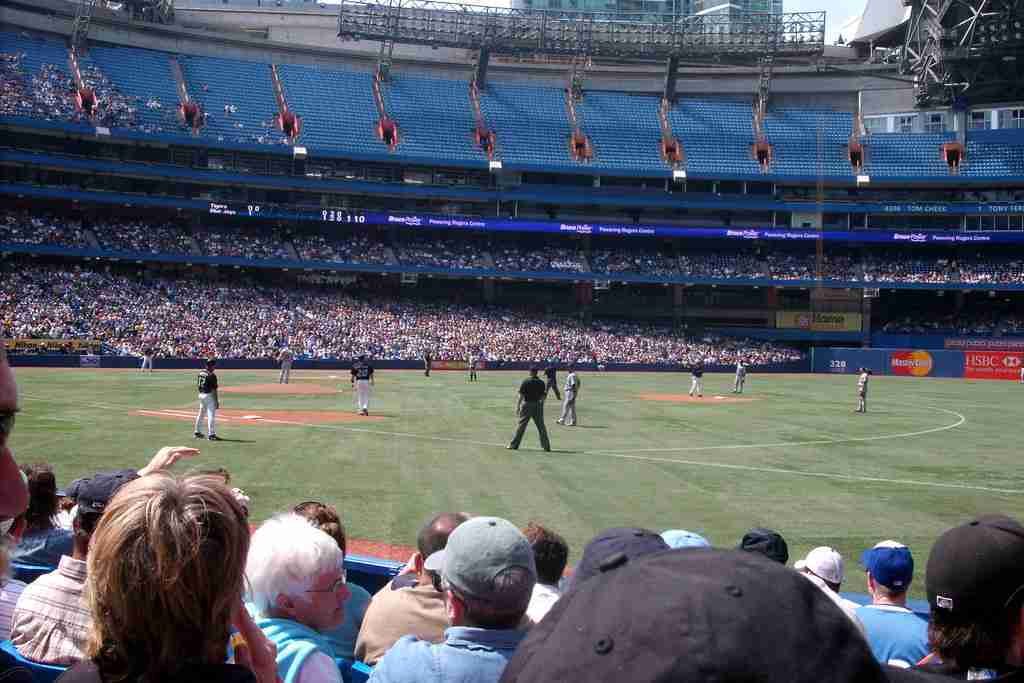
[744, 38]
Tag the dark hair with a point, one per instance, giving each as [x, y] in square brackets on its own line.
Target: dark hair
[87, 522]
[974, 642]
[325, 518]
[433, 536]
[43, 502]
[534, 370]
[550, 551]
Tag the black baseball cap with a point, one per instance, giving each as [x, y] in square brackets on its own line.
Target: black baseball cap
[613, 548]
[210, 362]
[767, 542]
[93, 494]
[714, 615]
[977, 569]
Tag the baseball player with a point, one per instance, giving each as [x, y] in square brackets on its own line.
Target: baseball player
[472, 366]
[362, 380]
[551, 372]
[147, 359]
[862, 390]
[285, 357]
[697, 379]
[209, 401]
[741, 377]
[428, 362]
[572, 389]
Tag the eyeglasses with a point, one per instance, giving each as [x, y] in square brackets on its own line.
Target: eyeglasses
[335, 585]
[7, 422]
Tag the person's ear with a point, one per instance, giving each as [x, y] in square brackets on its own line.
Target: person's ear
[284, 605]
[417, 561]
[455, 608]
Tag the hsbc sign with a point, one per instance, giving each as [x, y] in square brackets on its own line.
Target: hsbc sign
[993, 365]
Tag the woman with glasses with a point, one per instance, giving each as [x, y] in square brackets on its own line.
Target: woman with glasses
[297, 593]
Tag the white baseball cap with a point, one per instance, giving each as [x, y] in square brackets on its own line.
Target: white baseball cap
[824, 562]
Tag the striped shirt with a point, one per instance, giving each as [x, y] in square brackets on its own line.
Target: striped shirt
[52, 620]
[9, 595]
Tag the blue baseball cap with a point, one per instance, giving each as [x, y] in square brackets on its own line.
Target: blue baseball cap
[680, 538]
[890, 564]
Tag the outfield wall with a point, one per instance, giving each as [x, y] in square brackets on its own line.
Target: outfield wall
[128, 362]
[1003, 365]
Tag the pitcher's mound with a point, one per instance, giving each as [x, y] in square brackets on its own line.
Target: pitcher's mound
[302, 418]
[685, 398]
[278, 389]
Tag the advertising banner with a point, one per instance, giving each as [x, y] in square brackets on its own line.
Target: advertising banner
[89, 361]
[993, 365]
[898, 362]
[450, 365]
[985, 343]
[911, 363]
[818, 322]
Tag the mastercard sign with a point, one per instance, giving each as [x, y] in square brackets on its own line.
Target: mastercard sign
[912, 363]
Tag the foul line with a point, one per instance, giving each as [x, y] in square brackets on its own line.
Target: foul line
[671, 461]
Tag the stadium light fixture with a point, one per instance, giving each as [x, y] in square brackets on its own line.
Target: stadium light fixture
[494, 166]
[678, 174]
[299, 153]
[863, 179]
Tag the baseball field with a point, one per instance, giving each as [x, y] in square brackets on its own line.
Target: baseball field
[791, 455]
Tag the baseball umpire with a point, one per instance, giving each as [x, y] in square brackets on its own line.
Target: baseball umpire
[209, 401]
[551, 372]
[530, 406]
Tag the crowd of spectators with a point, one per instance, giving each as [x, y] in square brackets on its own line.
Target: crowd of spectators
[439, 253]
[187, 317]
[652, 263]
[350, 249]
[143, 237]
[722, 265]
[19, 227]
[544, 259]
[243, 244]
[964, 323]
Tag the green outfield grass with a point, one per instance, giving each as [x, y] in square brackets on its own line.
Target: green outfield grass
[929, 454]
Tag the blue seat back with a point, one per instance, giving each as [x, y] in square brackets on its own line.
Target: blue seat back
[370, 573]
[28, 573]
[41, 673]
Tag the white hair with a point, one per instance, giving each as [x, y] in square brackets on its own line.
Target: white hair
[286, 555]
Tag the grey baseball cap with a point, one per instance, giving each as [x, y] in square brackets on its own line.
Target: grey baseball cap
[479, 551]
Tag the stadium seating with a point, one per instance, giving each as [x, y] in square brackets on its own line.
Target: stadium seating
[38, 50]
[717, 135]
[906, 154]
[146, 74]
[337, 108]
[435, 118]
[994, 153]
[623, 130]
[218, 83]
[41, 673]
[794, 135]
[531, 122]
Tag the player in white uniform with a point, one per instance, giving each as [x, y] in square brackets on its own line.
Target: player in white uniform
[285, 357]
[741, 377]
[572, 389]
[472, 367]
[209, 401]
[362, 380]
[862, 390]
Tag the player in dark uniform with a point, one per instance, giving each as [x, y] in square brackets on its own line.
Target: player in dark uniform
[209, 401]
[697, 376]
[551, 372]
[362, 380]
[530, 406]
[428, 362]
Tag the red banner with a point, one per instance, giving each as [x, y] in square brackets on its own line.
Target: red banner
[993, 365]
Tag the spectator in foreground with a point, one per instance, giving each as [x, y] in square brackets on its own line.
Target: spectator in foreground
[976, 592]
[824, 567]
[326, 519]
[10, 589]
[297, 593]
[767, 542]
[411, 604]
[165, 576]
[52, 621]
[613, 548]
[714, 615]
[897, 636]
[487, 573]
[681, 538]
[43, 542]
[550, 554]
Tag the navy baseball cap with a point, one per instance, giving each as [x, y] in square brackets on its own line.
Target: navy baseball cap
[767, 542]
[93, 494]
[890, 564]
[714, 615]
[613, 548]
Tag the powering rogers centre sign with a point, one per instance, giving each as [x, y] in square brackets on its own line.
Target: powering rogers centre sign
[992, 365]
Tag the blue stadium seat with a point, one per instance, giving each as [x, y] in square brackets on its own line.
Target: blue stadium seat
[435, 118]
[353, 672]
[28, 573]
[145, 74]
[41, 673]
[794, 136]
[531, 123]
[905, 155]
[370, 572]
[624, 130]
[717, 135]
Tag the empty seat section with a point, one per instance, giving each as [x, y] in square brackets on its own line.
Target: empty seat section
[794, 135]
[716, 134]
[146, 74]
[906, 154]
[625, 130]
[244, 87]
[994, 153]
[531, 124]
[435, 118]
[337, 108]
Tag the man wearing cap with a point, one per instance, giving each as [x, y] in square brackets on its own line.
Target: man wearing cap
[487, 574]
[530, 406]
[410, 604]
[614, 548]
[767, 542]
[975, 586]
[897, 636]
[51, 621]
[823, 567]
[209, 401]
